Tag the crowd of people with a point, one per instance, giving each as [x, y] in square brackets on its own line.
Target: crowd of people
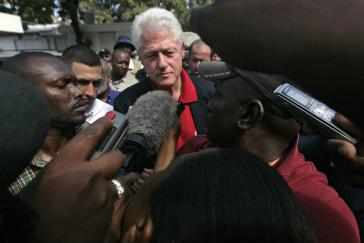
[235, 167]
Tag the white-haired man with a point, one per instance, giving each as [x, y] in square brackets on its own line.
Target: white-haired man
[157, 36]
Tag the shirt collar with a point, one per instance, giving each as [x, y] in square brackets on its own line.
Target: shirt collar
[188, 90]
[38, 162]
[285, 163]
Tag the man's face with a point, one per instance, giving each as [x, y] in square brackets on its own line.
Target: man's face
[162, 57]
[88, 79]
[107, 58]
[55, 80]
[199, 53]
[120, 64]
[216, 58]
[222, 115]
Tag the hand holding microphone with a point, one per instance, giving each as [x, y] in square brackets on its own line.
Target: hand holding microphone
[150, 120]
[73, 190]
[141, 133]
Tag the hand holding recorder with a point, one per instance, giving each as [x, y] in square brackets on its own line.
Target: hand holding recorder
[141, 133]
[347, 157]
[74, 191]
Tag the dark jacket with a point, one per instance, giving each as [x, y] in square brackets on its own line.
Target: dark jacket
[205, 90]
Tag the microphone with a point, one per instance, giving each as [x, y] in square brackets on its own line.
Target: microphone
[151, 117]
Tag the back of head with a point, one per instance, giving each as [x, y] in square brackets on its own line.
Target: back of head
[155, 20]
[24, 122]
[81, 54]
[226, 196]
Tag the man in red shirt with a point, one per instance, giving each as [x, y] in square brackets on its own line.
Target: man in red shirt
[157, 36]
[242, 117]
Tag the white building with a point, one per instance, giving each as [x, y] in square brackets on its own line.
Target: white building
[53, 38]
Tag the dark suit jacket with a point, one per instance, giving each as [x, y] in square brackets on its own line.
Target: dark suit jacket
[205, 90]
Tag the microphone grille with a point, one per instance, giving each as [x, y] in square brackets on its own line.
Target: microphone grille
[152, 115]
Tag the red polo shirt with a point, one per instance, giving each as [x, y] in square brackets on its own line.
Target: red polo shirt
[331, 218]
[188, 95]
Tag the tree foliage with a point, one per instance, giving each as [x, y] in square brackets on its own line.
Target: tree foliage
[42, 11]
[32, 11]
[69, 8]
[125, 10]
[197, 3]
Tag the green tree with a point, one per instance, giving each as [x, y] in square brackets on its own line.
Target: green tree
[102, 11]
[69, 8]
[42, 11]
[198, 3]
[34, 11]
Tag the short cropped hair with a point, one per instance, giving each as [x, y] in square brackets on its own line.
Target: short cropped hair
[226, 196]
[21, 63]
[153, 20]
[81, 54]
[122, 50]
[195, 42]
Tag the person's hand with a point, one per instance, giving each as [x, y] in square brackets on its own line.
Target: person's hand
[167, 151]
[128, 181]
[143, 176]
[133, 183]
[74, 197]
[348, 158]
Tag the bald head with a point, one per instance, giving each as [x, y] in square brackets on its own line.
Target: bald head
[198, 53]
[55, 80]
[33, 66]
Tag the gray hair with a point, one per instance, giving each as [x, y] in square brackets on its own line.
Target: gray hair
[153, 20]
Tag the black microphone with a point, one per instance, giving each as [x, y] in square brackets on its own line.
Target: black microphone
[151, 117]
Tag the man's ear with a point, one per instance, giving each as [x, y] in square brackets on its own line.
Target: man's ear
[250, 114]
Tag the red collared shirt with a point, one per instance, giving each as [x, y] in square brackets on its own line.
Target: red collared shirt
[331, 218]
[188, 96]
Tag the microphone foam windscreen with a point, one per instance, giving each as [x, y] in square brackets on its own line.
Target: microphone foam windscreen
[152, 115]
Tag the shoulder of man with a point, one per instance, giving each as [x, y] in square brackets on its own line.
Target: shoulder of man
[128, 97]
[331, 218]
[204, 88]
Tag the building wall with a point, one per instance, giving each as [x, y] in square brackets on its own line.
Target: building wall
[56, 40]
[7, 43]
[100, 35]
